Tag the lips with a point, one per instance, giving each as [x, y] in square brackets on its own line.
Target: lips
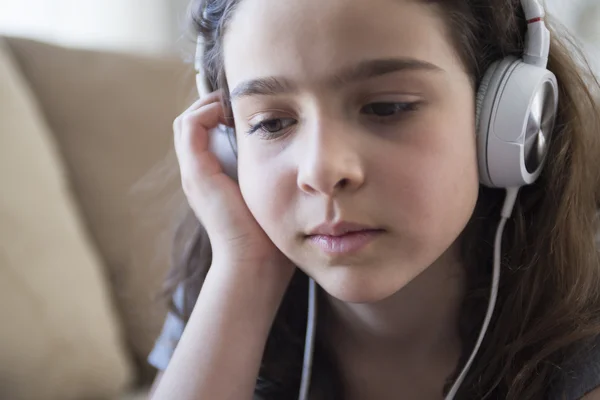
[339, 229]
[343, 238]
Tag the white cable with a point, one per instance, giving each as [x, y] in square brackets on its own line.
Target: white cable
[509, 202]
[309, 343]
[488, 315]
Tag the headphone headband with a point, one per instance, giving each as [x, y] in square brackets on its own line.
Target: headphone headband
[537, 38]
[204, 88]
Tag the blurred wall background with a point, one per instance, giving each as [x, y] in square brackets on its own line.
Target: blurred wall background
[147, 26]
[158, 26]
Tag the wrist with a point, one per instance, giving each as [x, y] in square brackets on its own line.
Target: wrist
[270, 275]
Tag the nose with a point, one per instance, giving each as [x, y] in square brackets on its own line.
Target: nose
[330, 161]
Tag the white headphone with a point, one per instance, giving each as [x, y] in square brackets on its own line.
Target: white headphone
[221, 142]
[516, 109]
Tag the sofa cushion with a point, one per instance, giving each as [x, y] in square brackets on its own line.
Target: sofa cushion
[60, 336]
[112, 117]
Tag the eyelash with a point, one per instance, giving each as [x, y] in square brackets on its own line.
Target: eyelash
[261, 126]
[397, 108]
[400, 108]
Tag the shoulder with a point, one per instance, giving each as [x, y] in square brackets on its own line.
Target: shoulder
[580, 376]
[593, 395]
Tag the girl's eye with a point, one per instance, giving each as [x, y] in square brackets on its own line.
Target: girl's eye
[388, 109]
[272, 127]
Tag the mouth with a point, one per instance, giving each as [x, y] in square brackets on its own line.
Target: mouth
[343, 238]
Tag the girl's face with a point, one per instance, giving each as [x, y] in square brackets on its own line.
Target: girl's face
[353, 111]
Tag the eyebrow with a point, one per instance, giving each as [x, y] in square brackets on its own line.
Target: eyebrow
[364, 70]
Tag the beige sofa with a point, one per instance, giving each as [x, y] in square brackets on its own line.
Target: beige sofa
[88, 190]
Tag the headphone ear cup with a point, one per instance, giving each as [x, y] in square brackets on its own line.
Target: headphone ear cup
[222, 145]
[488, 95]
[482, 92]
[515, 122]
[202, 84]
[222, 141]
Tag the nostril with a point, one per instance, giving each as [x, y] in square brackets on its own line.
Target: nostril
[342, 183]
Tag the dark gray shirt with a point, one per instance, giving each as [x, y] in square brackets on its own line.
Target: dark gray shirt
[581, 375]
[577, 378]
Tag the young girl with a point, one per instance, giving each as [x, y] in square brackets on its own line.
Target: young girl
[376, 155]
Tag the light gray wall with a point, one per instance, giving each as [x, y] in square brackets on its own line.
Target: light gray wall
[181, 36]
[582, 19]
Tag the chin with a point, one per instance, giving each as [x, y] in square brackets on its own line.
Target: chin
[352, 287]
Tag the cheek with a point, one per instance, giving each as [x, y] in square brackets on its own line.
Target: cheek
[451, 170]
[268, 188]
[434, 183]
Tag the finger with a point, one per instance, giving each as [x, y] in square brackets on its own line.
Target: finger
[196, 162]
[211, 98]
[214, 97]
[195, 127]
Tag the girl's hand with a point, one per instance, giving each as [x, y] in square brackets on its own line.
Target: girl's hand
[214, 197]
[225, 336]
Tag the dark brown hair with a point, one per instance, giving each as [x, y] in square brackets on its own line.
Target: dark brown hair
[549, 297]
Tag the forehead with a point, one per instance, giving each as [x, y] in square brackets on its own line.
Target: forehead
[305, 40]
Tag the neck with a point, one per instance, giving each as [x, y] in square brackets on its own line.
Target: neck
[412, 334]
